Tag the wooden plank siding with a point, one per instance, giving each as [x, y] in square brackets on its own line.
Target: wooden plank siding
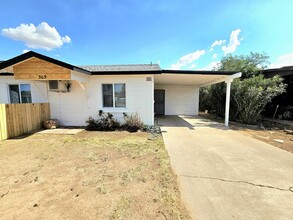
[37, 69]
[17, 119]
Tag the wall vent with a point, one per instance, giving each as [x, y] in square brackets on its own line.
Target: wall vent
[59, 86]
[149, 79]
[53, 84]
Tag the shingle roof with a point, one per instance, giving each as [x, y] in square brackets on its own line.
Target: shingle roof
[122, 68]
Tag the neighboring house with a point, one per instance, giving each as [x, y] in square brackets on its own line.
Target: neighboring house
[285, 100]
[75, 93]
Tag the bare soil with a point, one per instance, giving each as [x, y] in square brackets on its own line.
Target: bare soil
[91, 175]
[268, 133]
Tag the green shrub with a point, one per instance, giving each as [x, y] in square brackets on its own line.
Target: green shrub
[204, 98]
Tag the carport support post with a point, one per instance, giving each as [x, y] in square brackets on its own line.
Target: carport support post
[228, 89]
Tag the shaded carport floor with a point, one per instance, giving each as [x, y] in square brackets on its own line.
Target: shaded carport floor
[226, 175]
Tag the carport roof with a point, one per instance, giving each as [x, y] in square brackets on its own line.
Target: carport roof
[194, 77]
[199, 72]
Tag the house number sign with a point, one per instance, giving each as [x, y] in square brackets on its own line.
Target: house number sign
[42, 76]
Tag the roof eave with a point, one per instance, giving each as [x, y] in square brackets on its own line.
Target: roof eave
[199, 72]
[6, 74]
[31, 54]
[146, 72]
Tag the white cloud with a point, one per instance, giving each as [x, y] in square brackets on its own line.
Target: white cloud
[284, 60]
[215, 56]
[66, 39]
[25, 51]
[43, 36]
[192, 66]
[187, 59]
[234, 42]
[211, 66]
[218, 43]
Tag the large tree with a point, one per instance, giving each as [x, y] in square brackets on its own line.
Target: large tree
[248, 65]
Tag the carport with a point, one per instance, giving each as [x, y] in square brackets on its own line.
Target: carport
[176, 92]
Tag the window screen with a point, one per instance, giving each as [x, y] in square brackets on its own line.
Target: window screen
[120, 99]
[20, 93]
[25, 93]
[14, 94]
[107, 95]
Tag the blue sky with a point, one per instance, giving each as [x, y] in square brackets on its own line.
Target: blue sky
[176, 34]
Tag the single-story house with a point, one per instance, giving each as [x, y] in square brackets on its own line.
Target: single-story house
[77, 92]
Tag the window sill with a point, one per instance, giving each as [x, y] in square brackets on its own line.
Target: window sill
[110, 109]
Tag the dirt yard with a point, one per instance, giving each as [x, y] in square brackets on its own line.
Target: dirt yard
[91, 175]
[266, 133]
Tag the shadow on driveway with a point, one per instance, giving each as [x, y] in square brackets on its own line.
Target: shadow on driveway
[190, 122]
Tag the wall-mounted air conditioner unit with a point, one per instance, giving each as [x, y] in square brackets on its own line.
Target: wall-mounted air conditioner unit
[59, 85]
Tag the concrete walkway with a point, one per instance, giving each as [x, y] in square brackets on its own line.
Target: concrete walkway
[68, 131]
[225, 175]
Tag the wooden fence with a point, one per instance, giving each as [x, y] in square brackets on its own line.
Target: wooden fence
[17, 119]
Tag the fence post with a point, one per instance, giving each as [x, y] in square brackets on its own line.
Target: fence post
[3, 122]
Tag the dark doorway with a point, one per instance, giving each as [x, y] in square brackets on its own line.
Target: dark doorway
[159, 102]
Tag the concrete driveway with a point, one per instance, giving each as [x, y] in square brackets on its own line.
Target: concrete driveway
[223, 174]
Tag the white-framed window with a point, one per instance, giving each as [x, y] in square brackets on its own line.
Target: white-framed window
[114, 95]
[20, 93]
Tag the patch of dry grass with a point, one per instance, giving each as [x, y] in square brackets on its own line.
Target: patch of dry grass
[93, 175]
